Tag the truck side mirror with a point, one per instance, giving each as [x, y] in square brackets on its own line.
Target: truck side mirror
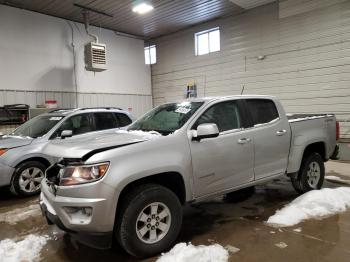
[208, 130]
[66, 133]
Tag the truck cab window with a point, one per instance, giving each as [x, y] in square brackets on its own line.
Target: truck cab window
[225, 115]
[262, 110]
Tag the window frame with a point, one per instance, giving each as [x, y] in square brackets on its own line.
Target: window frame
[91, 120]
[241, 110]
[196, 42]
[251, 119]
[148, 50]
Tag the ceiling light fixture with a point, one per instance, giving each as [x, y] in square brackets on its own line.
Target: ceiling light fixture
[142, 8]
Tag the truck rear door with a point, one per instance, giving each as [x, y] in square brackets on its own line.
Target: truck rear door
[271, 137]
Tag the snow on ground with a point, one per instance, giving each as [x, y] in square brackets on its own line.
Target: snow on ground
[315, 204]
[183, 252]
[20, 214]
[27, 250]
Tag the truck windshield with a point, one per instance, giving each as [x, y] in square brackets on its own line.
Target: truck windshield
[166, 118]
[38, 126]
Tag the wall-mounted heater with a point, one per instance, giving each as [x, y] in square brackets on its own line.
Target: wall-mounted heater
[94, 52]
[95, 57]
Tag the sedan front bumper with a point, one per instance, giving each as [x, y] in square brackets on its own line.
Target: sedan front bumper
[6, 173]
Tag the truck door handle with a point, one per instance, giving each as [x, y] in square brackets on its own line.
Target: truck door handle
[243, 140]
[281, 132]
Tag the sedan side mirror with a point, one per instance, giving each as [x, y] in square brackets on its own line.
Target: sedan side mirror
[66, 133]
[209, 130]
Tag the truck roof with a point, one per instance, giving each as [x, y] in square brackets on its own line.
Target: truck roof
[212, 98]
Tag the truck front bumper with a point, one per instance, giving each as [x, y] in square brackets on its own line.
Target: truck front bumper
[86, 220]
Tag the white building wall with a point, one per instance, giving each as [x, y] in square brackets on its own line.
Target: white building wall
[306, 65]
[37, 64]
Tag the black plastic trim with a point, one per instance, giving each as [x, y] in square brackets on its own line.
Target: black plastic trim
[99, 150]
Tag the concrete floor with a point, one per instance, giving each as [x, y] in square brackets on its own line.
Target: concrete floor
[240, 225]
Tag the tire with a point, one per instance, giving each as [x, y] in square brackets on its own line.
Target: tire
[239, 195]
[129, 225]
[296, 184]
[311, 174]
[32, 171]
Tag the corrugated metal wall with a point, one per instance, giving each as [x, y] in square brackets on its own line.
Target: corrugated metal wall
[307, 63]
[138, 103]
[37, 63]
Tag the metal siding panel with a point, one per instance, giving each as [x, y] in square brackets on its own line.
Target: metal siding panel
[306, 65]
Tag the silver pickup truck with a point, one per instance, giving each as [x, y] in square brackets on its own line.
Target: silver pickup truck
[130, 185]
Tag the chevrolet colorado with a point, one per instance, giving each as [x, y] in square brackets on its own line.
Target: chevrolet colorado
[130, 185]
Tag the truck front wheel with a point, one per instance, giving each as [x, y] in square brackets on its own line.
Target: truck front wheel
[311, 174]
[149, 220]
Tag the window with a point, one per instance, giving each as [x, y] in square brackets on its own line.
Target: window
[225, 115]
[167, 118]
[37, 126]
[150, 55]
[104, 121]
[207, 41]
[123, 119]
[262, 110]
[79, 124]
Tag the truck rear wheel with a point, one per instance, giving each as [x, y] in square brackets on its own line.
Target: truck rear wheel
[311, 174]
[149, 220]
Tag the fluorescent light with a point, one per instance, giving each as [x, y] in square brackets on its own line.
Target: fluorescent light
[142, 8]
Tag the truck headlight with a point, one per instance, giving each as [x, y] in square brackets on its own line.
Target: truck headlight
[74, 175]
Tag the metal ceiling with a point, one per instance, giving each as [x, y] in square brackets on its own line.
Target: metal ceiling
[168, 15]
[248, 4]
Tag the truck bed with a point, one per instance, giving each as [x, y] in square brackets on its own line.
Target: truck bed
[306, 128]
[303, 117]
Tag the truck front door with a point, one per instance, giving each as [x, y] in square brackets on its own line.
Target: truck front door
[225, 161]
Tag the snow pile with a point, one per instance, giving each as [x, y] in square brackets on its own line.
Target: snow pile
[190, 253]
[143, 134]
[27, 250]
[20, 214]
[314, 204]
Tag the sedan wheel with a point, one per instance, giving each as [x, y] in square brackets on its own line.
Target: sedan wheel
[26, 180]
[30, 179]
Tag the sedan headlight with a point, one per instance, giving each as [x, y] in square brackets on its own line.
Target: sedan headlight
[74, 175]
[2, 151]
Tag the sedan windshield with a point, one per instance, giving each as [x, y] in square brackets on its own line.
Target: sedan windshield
[167, 118]
[38, 126]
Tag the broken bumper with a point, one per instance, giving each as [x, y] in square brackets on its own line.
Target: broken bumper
[81, 218]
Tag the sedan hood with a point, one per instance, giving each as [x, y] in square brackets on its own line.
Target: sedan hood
[14, 141]
[85, 146]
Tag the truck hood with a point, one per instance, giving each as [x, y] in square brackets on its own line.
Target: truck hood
[84, 147]
[14, 141]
